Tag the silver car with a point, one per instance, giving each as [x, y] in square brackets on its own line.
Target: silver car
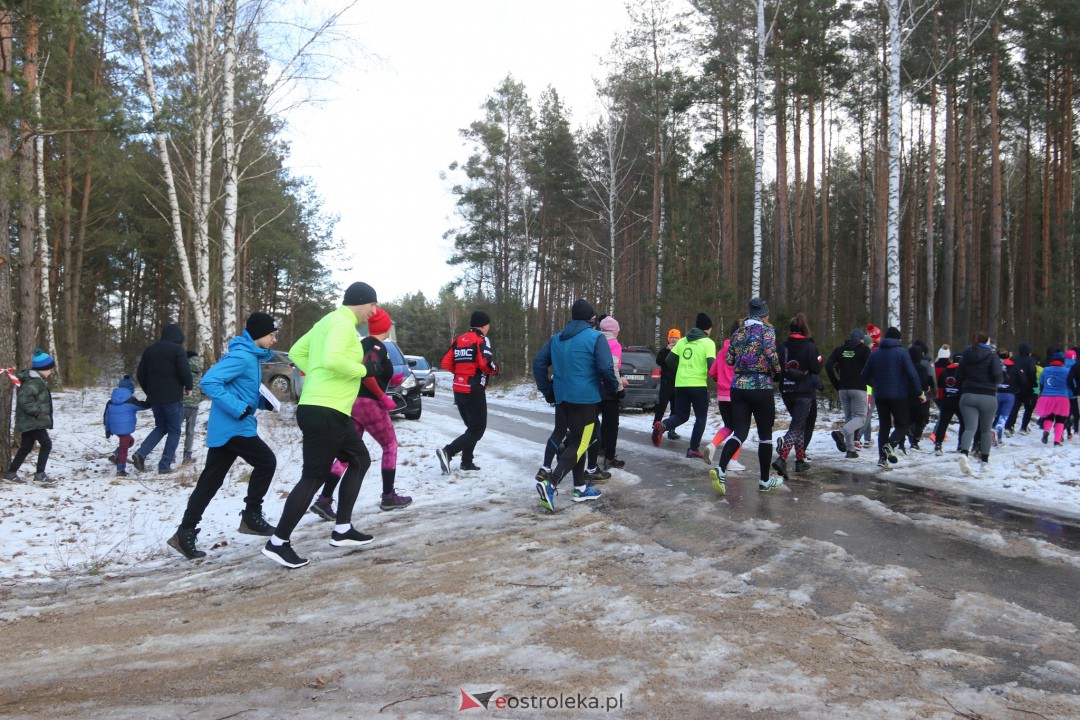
[423, 373]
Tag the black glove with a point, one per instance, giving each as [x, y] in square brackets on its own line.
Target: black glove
[247, 411]
[549, 398]
[621, 393]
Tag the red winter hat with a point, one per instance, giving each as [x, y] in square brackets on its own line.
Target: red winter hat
[379, 322]
[874, 332]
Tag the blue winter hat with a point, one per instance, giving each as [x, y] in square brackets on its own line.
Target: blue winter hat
[127, 383]
[42, 360]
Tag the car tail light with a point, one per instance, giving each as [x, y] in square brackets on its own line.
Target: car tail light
[655, 374]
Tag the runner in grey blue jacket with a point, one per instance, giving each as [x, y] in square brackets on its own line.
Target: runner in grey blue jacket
[579, 359]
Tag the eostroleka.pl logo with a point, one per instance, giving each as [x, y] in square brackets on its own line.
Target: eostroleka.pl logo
[606, 703]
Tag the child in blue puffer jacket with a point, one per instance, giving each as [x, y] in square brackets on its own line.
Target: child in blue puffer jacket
[120, 419]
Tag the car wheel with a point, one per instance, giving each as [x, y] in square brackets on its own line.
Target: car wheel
[281, 386]
[415, 415]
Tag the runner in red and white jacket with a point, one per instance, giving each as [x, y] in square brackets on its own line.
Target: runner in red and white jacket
[472, 361]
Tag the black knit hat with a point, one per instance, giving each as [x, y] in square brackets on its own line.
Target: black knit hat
[893, 333]
[479, 319]
[582, 310]
[360, 293]
[703, 322]
[259, 324]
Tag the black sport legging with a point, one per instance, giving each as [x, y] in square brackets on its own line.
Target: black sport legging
[580, 423]
[328, 434]
[892, 422]
[29, 437]
[745, 404]
[558, 435]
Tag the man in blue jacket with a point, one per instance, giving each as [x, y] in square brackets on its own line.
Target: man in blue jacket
[580, 361]
[232, 432]
[892, 375]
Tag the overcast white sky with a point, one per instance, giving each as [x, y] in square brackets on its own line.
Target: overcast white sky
[377, 147]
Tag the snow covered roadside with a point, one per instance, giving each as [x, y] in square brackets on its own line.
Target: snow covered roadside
[93, 522]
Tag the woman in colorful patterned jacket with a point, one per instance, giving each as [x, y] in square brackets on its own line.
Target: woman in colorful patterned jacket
[752, 354]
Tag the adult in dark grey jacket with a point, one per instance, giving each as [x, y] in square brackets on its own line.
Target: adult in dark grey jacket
[165, 376]
[1025, 395]
[844, 367]
[892, 375]
[979, 374]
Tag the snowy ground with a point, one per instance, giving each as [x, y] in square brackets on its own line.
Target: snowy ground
[93, 522]
[474, 590]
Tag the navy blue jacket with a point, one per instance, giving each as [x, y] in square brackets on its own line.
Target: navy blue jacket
[581, 360]
[890, 372]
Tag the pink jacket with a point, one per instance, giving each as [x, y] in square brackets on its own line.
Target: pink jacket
[723, 374]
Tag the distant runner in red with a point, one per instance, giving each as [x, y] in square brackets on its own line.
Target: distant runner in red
[470, 359]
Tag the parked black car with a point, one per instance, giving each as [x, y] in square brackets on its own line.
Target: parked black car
[277, 375]
[423, 373]
[640, 369]
[403, 387]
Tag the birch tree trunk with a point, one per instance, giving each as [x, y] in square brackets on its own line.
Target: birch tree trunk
[42, 221]
[199, 305]
[229, 313]
[759, 143]
[892, 222]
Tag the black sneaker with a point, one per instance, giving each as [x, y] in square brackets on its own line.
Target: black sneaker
[166, 470]
[138, 461]
[183, 541]
[838, 438]
[13, 476]
[350, 538]
[780, 466]
[851, 454]
[596, 475]
[470, 466]
[444, 460]
[542, 474]
[801, 466]
[613, 463]
[890, 453]
[283, 555]
[43, 480]
[253, 523]
[672, 435]
[323, 508]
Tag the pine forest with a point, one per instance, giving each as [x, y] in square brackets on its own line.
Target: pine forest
[906, 163]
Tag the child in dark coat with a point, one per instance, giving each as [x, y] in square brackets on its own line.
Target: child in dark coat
[120, 419]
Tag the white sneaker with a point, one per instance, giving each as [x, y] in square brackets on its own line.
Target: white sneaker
[735, 466]
[707, 453]
[965, 466]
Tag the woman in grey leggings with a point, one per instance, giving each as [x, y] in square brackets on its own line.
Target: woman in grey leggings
[979, 375]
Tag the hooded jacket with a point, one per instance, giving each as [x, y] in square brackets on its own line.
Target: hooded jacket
[233, 385]
[121, 410]
[890, 372]
[1025, 365]
[581, 361]
[33, 402]
[800, 362]
[846, 362]
[921, 369]
[164, 373]
[1010, 377]
[692, 356]
[980, 371]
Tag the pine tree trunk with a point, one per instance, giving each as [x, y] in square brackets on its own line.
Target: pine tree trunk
[759, 142]
[994, 281]
[931, 247]
[948, 237]
[7, 314]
